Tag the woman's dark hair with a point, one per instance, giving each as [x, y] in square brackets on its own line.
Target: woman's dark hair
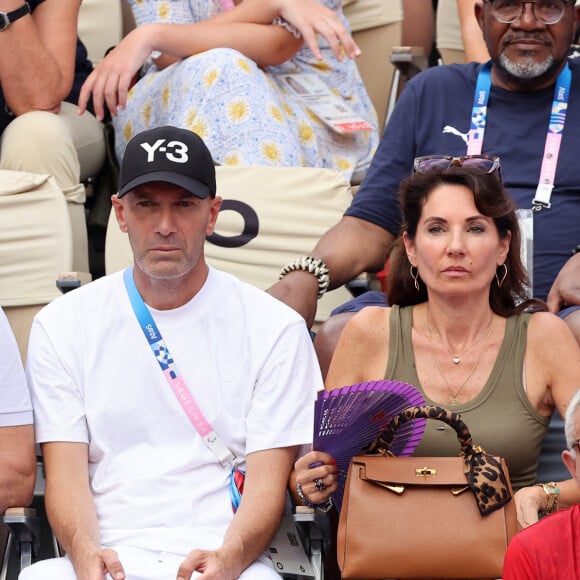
[491, 200]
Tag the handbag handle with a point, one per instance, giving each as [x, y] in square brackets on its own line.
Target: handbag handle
[382, 443]
[484, 473]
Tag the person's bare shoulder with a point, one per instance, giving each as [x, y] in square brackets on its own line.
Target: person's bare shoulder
[549, 337]
[541, 322]
[362, 349]
[369, 326]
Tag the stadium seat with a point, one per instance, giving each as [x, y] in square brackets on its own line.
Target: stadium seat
[270, 215]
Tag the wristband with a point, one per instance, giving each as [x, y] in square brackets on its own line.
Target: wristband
[7, 18]
[313, 265]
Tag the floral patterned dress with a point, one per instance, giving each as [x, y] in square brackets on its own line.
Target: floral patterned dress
[244, 113]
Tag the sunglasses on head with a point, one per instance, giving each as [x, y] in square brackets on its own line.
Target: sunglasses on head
[482, 163]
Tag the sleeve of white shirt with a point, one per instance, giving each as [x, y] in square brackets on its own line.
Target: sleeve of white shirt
[15, 404]
[282, 411]
[58, 406]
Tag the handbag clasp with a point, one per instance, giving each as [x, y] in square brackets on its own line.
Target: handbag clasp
[425, 471]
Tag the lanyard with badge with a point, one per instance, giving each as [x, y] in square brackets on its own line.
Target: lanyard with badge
[552, 146]
[213, 441]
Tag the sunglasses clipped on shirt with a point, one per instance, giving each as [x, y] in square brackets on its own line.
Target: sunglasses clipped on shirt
[545, 11]
[482, 163]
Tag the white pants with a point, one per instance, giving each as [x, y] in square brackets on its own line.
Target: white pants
[139, 565]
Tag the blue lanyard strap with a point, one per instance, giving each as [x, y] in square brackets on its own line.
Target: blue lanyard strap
[479, 110]
[172, 374]
[553, 136]
[553, 140]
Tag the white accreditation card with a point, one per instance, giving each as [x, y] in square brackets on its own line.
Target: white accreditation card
[526, 221]
[327, 106]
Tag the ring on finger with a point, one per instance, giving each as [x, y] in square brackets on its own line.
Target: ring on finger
[319, 484]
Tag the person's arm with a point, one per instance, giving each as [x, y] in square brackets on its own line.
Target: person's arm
[362, 349]
[309, 17]
[349, 248]
[474, 46]
[361, 354]
[255, 522]
[71, 511]
[113, 77]
[565, 290]
[361, 241]
[17, 452]
[247, 28]
[37, 56]
[17, 466]
[552, 359]
[418, 24]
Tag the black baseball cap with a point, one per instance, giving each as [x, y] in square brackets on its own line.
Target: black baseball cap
[171, 155]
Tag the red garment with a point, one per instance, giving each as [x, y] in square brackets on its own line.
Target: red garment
[548, 550]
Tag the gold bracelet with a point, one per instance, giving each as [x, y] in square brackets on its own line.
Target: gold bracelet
[552, 492]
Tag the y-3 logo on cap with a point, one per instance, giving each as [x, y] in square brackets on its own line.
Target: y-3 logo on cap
[174, 150]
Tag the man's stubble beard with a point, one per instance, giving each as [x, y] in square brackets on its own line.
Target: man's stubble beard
[168, 270]
[527, 70]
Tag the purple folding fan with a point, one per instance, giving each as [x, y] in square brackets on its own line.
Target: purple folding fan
[348, 419]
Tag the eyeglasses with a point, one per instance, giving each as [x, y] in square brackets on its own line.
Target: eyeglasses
[545, 11]
[576, 444]
[482, 163]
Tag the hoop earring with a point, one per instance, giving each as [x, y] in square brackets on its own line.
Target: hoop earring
[415, 276]
[504, 276]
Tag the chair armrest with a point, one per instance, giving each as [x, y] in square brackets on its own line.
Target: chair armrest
[24, 529]
[67, 281]
[410, 60]
[315, 531]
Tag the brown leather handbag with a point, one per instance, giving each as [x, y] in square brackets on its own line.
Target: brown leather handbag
[425, 517]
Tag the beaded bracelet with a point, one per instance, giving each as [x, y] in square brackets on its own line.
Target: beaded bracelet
[576, 250]
[313, 265]
[324, 507]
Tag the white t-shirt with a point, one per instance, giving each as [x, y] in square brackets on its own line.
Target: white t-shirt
[15, 405]
[247, 359]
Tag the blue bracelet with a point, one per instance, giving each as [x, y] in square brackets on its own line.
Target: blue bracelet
[324, 507]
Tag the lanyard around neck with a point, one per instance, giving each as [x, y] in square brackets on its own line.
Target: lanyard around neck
[172, 374]
[553, 136]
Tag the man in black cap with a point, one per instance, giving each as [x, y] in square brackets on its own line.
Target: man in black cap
[158, 389]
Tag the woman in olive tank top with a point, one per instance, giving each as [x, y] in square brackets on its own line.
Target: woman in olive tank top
[462, 330]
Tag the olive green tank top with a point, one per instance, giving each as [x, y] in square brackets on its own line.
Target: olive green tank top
[501, 418]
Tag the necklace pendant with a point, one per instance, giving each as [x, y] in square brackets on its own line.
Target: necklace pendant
[453, 401]
[456, 360]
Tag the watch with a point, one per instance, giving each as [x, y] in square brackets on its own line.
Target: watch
[7, 18]
[552, 492]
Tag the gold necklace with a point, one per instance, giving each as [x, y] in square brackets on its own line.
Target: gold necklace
[453, 400]
[456, 358]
